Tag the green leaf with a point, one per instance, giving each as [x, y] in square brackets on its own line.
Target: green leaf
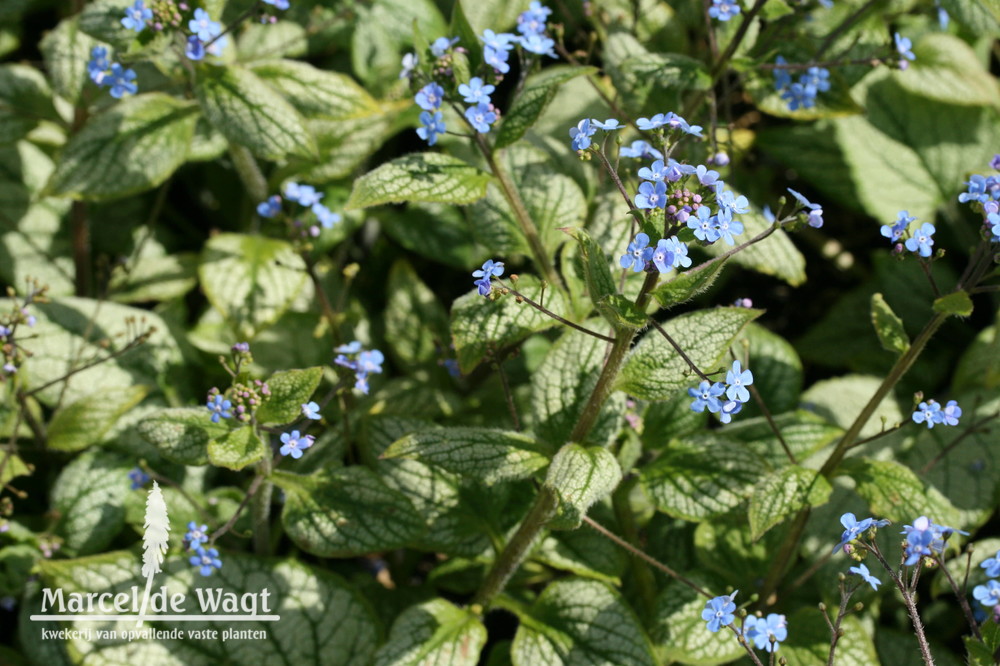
[25, 98]
[89, 498]
[182, 434]
[680, 635]
[434, 632]
[783, 493]
[429, 177]
[562, 385]
[809, 641]
[67, 51]
[803, 432]
[539, 89]
[84, 423]
[979, 366]
[484, 454]
[888, 326]
[949, 71]
[237, 449]
[336, 624]
[655, 371]
[415, 321]
[346, 512]
[841, 399]
[895, 492]
[316, 92]
[600, 283]
[131, 147]
[290, 389]
[620, 312]
[460, 27]
[480, 324]
[775, 255]
[980, 17]
[685, 286]
[580, 476]
[249, 112]
[251, 280]
[14, 468]
[382, 31]
[583, 553]
[700, 478]
[578, 621]
[160, 278]
[651, 80]
[957, 303]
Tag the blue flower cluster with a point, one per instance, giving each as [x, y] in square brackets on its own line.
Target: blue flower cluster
[667, 254]
[206, 37]
[363, 363]
[983, 194]
[921, 240]
[110, 75]
[307, 197]
[587, 127]
[532, 26]
[668, 122]
[854, 528]
[989, 594]
[925, 539]
[138, 478]
[766, 632]
[800, 94]
[710, 396]
[723, 9]
[932, 413]
[485, 274]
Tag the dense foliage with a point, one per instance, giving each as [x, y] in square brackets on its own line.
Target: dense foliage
[492, 331]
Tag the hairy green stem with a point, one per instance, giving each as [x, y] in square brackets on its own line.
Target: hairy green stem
[261, 510]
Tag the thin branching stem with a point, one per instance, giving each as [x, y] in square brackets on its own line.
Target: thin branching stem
[553, 315]
[963, 602]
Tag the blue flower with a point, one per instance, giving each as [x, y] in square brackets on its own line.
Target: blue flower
[762, 630]
[310, 410]
[723, 9]
[989, 594]
[581, 134]
[270, 207]
[203, 26]
[923, 539]
[196, 535]
[704, 225]
[532, 21]
[641, 150]
[658, 171]
[651, 195]
[503, 41]
[304, 195]
[816, 79]
[433, 125]
[895, 231]
[475, 92]
[649, 124]
[485, 274]
[736, 205]
[409, 63]
[866, 575]
[122, 81]
[706, 176]
[675, 170]
[98, 66]
[538, 43]
[993, 222]
[497, 59]
[854, 528]
[136, 16]
[719, 612]
[207, 560]
[294, 444]
[220, 408]
[922, 240]
[608, 125]
[637, 254]
[663, 256]
[674, 121]
[371, 361]
[279, 4]
[730, 408]
[430, 97]
[976, 190]
[138, 478]
[194, 49]
[481, 116]
[680, 250]
[815, 215]
[350, 348]
[951, 413]
[799, 97]
[326, 217]
[992, 565]
[726, 227]
[441, 46]
[782, 77]
[903, 46]
[928, 412]
[706, 395]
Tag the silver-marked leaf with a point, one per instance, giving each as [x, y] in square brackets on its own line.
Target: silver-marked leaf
[680, 635]
[89, 496]
[480, 453]
[83, 423]
[130, 147]
[809, 641]
[538, 91]
[249, 112]
[428, 177]
[290, 389]
[416, 322]
[584, 553]
[578, 622]
[316, 92]
[655, 371]
[67, 51]
[841, 399]
[237, 449]
[894, 491]
[251, 280]
[561, 387]
[580, 476]
[182, 434]
[980, 17]
[346, 512]
[434, 633]
[783, 493]
[478, 324]
[804, 434]
[335, 624]
[25, 98]
[685, 286]
[775, 255]
[699, 478]
[948, 70]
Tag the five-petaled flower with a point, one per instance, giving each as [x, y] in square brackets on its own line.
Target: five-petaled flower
[433, 125]
[136, 16]
[896, 230]
[485, 274]
[992, 565]
[651, 195]
[475, 91]
[988, 594]
[854, 528]
[707, 395]
[121, 81]
[866, 575]
[637, 253]
[815, 215]
[294, 443]
[922, 240]
[723, 9]
[219, 407]
[738, 379]
[481, 116]
[581, 134]
[719, 612]
[430, 97]
[206, 560]
[196, 535]
[310, 410]
[138, 477]
[766, 633]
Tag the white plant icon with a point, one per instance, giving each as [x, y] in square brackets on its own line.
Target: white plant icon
[154, 542]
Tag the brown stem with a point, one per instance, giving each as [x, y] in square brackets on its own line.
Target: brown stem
[251, 491]
[963, 602]
[677, 348]
[511, 407]
[958, 440]
[759, 399]
[553, 315]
